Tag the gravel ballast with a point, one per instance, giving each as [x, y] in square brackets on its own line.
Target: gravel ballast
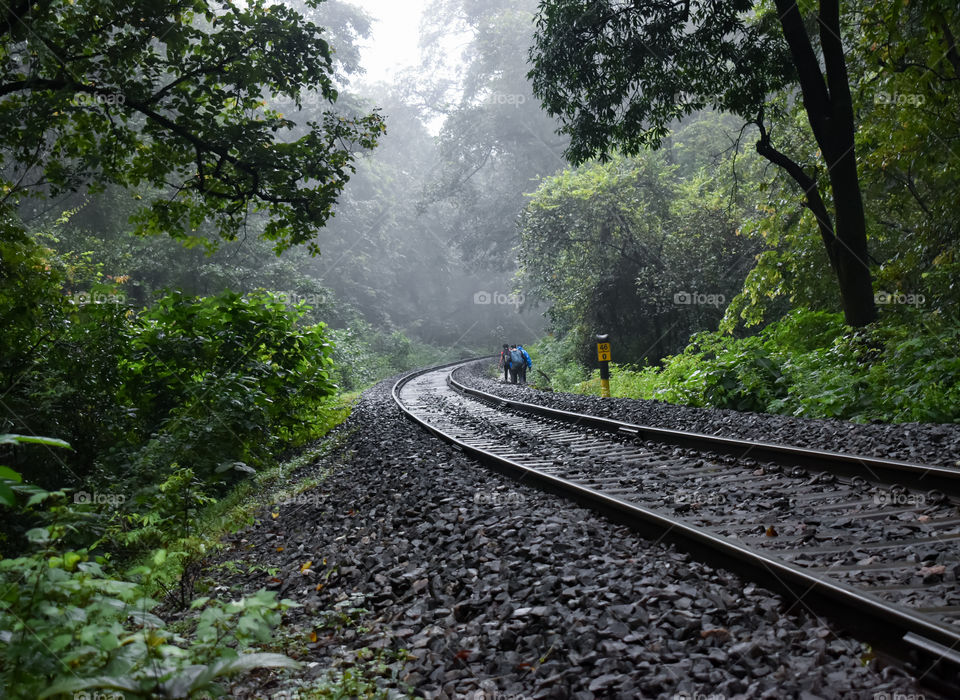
[493, 589]
[924, 443]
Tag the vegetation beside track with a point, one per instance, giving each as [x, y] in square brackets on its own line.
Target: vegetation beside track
[85, 602]
[175, 422]
[807, 364]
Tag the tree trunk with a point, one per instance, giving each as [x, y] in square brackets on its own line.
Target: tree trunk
[829, 108]
[850, 257]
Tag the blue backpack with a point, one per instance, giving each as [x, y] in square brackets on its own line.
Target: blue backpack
[516, 358]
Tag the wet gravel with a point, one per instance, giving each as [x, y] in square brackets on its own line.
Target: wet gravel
[901, 546]
[926, 443]
[472, 585]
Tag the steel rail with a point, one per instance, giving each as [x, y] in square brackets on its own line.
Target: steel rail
[887, 471]
[926, 647]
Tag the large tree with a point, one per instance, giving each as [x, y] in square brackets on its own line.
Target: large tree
[618, 73]
[170, 96]
[623, 246]
[496, 141]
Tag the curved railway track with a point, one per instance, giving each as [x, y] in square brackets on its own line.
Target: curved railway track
[870, 543]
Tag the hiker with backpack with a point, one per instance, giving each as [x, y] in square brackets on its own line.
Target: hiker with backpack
[525, 365]
[516, 362]
[505, 362]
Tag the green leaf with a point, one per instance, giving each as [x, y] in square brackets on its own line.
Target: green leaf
[38, 497]
[10, 474]
[11, 439]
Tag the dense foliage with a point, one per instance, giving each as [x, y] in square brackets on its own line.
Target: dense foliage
[214, 380]
[170, 389]
[618, 75]
[632, 248]
[68, 622]
[810, 364]
[168, 97]
[901, 65]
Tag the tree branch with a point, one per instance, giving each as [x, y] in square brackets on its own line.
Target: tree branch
[814, 202]
[841, 104]
[815, 95]
[952, 54]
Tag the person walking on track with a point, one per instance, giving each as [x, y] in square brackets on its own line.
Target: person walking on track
[516, 363]
[505, 362]
[525, 365]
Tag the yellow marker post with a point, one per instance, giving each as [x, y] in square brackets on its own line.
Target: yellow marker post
[603, 355]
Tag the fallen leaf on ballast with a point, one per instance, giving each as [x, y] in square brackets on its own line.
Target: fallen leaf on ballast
[718, 632]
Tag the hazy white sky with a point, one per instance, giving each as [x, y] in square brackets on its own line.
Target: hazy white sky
[395, 36]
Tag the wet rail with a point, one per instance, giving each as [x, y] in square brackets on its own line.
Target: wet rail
[870, 543]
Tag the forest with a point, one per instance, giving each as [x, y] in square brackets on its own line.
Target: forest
[215, 231]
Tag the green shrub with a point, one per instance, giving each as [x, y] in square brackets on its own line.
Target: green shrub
[223, 380]
[202, 381]
[66, 625]
[214, 387]
[554, 363]
[810, 364]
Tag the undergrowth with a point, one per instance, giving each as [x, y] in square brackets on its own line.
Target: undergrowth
[75, 619]
[809, 364]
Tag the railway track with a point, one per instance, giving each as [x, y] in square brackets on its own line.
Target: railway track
[869, 543]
